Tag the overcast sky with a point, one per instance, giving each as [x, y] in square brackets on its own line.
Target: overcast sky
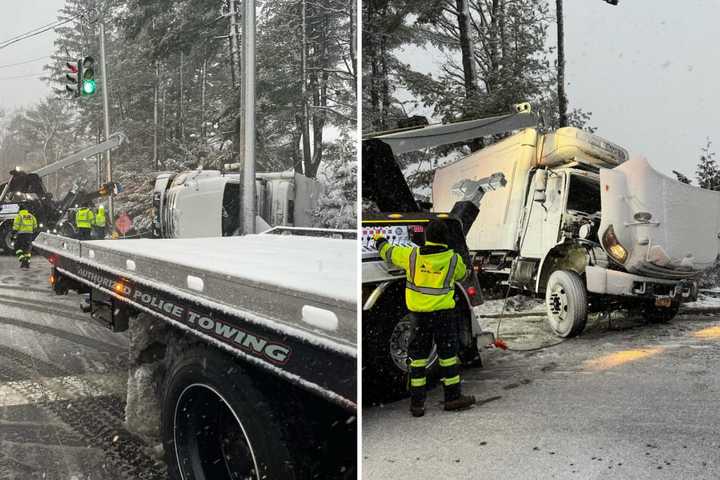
[648, 70]
[18, 17]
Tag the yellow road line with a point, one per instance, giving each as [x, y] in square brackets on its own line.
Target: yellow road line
[618, 359]
[709, 333]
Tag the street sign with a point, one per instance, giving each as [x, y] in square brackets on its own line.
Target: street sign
[123, 224]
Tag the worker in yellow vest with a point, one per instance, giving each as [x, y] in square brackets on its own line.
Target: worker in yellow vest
[431, 273]
[25, 225]
[100, 223]
[84, 220]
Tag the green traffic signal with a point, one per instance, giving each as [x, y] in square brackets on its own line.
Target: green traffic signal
[88, 87]
[88, 76]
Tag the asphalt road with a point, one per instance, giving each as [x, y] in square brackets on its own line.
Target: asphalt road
[63, 381]
[624, 401]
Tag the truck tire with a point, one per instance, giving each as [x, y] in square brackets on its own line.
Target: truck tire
[567, 303]
[7, 245]
[217, 425]
[386, 336]
[653, 314]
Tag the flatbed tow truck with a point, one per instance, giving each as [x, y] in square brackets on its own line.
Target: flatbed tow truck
[247, 346]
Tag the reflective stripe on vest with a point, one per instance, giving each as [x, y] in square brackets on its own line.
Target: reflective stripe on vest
[447, 284]
[388, 254]
[82, 218]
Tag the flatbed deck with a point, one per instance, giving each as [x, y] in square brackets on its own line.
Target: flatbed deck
[284, 303]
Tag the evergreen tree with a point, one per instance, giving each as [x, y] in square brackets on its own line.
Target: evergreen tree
[708, 175]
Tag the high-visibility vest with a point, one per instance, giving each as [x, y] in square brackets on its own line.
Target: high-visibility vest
[25, 222]
[430, 279]
[100, 218]
[84, 218]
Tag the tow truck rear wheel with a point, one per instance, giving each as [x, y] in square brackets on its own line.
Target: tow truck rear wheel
[654, 314]
[217, 425]
[387, 333]
[567, 303]
[6, 238]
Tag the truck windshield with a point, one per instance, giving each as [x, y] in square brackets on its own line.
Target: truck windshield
[584, 194]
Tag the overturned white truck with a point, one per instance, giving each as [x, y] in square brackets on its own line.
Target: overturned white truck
[585, 225]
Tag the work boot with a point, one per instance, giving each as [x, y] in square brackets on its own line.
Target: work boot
[417, 403]
[463, 402]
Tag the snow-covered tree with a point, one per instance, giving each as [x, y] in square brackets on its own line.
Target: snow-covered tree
[337, 207]
[708, 175]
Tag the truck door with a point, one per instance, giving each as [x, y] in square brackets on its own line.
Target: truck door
[542, 227]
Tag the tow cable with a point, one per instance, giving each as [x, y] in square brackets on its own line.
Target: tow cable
[502, 344]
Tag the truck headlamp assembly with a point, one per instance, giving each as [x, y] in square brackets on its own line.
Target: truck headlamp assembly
[585, 231]
[612, 246]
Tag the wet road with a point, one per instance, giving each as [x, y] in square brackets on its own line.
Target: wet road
[63, 381]
[624, 401]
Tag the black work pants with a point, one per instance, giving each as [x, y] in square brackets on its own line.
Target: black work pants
[440, 326]
[84, 233]
[23, 242]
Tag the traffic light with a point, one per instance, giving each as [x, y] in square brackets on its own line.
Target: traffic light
[73, 77]
[88, 85]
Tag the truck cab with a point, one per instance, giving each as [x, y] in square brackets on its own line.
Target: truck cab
[23, 191]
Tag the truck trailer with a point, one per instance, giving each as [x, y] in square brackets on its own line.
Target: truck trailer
[242, 349]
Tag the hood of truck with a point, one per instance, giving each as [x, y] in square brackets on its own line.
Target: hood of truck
[668, 229]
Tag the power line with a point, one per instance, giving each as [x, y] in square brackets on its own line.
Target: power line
[30, 75]
[35, 32]
[31, 31]
[25, 62]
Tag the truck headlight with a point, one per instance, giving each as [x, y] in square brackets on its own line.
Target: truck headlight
[585, 231]
[613, 247]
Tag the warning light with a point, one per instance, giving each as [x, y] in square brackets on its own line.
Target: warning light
[119, 287]
[53, 259]
[472, 291]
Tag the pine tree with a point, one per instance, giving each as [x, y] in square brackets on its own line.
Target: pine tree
[707, 174]
[338, 205]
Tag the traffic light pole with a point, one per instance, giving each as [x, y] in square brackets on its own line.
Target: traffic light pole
[108, 164]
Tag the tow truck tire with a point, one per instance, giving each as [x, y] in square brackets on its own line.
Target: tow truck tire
[653, 314]
[566, 301]
[6, 242]
[385, 343]
[217, 425]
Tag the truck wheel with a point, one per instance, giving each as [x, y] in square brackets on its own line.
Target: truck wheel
[217, 425]
[653, 314]
[566, 302]
[385, 353]
[6, 242]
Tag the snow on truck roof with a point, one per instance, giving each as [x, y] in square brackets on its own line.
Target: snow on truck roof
[319, 266]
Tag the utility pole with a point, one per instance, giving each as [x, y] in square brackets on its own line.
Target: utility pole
[562, 97]
[304, 93]
[103, 71]
[156, 158]
[247, 108]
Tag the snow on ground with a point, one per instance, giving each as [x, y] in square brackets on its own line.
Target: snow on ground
[515, 304]
[320, 266]
[707, 299]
